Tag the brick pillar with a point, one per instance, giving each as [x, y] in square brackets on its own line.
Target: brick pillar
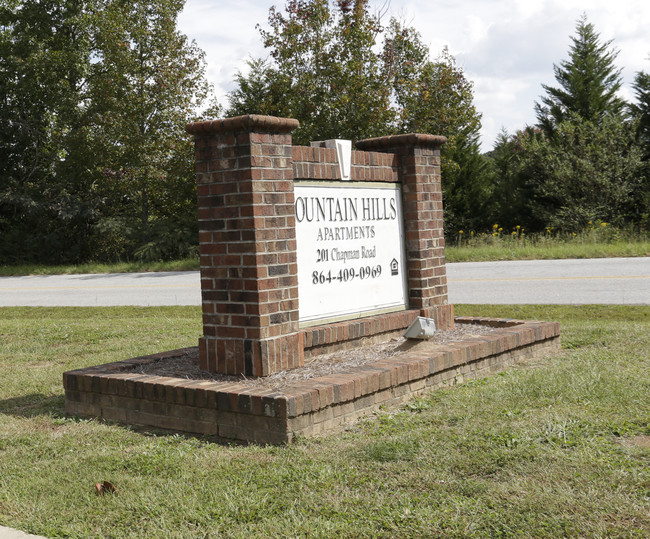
[423, 216]
[247, 243]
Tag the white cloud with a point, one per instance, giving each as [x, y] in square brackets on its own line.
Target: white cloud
[226, 31]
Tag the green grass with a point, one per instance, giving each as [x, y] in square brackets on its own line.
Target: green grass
[189, 264]
[558, 448]
[507, 250]
[599, 240]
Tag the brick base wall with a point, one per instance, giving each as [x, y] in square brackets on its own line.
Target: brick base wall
[235, 410]
[352, 333]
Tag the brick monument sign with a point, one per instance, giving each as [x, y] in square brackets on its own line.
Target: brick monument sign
[252, 274]
[306, 251]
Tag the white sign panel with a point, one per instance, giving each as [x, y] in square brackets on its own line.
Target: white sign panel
[350, 240]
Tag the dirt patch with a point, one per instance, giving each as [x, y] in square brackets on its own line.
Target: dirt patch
[640, 440]
[187, 365]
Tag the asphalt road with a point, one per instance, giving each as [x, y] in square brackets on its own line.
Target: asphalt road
[623, 281]
[620, 281]
[88, 290]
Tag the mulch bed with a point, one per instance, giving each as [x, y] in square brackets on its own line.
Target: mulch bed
[187, 366]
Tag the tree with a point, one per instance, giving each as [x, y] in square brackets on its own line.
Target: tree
[466, 187]
[430, 96]
[585, 164]
[509, 195]
[641, 109]
[94, 98]
[589, 82]
[44, 62]
[327, 69]
[147, 83]
[404, 62]
[435, 97]
[323, 71]
[261, 91]
[585, 172]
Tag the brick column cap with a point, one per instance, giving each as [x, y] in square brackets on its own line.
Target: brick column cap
[248, 123]
[396, 141]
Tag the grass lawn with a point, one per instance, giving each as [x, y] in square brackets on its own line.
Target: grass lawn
[189, 264]
[517, 250]
[559, 448]
[599, 240]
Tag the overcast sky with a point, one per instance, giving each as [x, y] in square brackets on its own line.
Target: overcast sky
[507, 48]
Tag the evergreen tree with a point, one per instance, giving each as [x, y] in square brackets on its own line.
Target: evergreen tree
[509, 194]
[641, 109]
[589, 82]
[585, 172]
[585, 164]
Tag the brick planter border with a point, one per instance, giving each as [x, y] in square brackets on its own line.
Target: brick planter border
[235, 411]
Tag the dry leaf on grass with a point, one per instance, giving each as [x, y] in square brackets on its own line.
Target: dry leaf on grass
[105, 487]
